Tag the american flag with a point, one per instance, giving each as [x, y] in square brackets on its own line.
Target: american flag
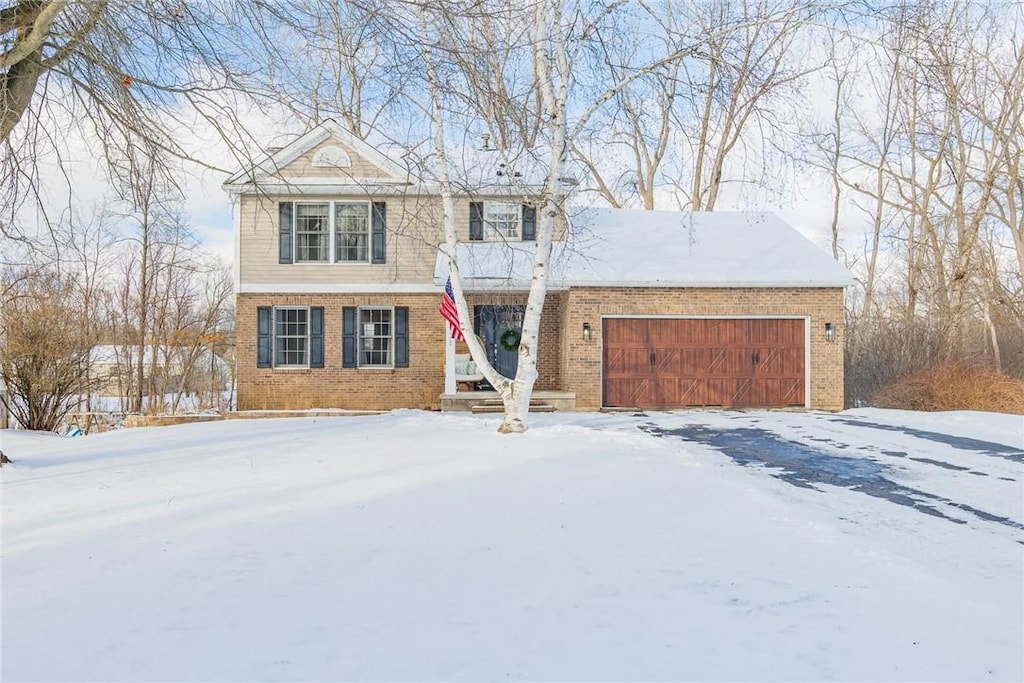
[450, 313]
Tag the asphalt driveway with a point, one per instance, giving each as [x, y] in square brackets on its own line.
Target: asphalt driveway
[931, 472]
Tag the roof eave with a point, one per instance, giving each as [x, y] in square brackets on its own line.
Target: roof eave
[497, 283]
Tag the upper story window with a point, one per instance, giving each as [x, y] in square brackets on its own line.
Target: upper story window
[312, 236]
[332, 232]
[502, 221]
[352, 232]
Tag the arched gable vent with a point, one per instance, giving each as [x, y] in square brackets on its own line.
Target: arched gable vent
[332, 157]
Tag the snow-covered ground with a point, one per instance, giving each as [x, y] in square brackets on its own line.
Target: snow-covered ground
[419, 546]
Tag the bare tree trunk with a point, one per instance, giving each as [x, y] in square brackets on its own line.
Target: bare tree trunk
[552, 67]
[501, 384]
[837, 150]
[142, 314]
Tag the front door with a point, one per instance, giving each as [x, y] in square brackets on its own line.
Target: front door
[491, 323]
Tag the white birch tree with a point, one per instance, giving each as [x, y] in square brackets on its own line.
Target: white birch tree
[554, 32]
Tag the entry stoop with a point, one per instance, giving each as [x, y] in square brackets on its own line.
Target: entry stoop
[494, 405]
[490, 402]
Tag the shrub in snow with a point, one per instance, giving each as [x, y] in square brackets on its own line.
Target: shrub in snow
[955, 386]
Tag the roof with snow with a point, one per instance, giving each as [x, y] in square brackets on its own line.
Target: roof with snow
[112, 354]
[633, 248]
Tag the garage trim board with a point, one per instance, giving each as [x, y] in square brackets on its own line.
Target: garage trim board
[678, 361]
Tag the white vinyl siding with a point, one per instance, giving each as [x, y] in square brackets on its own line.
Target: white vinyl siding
[414, 230]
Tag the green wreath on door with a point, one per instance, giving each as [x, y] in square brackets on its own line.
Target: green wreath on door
[510, 339]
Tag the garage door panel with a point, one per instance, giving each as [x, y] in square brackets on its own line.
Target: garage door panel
[674, 362]
[718, 391]
[770, 361]
[663, 392]
[627, 362]
[659, 334]
[793, 333]
[716, 333]
[737, 363]
[780, 362]
[625, 332]
[691, 392]
[628, 392]
[776, 392]
[689, 362]
[670, 392]
[792, 392]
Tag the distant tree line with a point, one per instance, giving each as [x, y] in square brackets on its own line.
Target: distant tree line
[906, 118]
[146, 320]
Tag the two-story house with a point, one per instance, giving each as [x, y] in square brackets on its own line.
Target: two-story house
[339, 277]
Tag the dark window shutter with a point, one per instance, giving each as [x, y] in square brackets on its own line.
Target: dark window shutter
[316, 337]
[529, 222]
[264, 335]
[348, 337]
[476, 220]
[380, 221]
[284, 235]
[401, 336]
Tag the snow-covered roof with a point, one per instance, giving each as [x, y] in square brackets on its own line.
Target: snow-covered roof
[633, 248]
[112, 354]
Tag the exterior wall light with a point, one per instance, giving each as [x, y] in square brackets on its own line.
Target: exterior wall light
[586, 331]
[830, 332]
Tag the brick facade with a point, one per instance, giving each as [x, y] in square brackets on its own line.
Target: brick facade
[581, 360]
[418, 386]
[567, 361]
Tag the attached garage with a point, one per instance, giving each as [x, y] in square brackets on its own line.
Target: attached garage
[659, 362]
[661, 309]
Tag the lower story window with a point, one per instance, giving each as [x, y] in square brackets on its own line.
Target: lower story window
[376, 337]
[291, 337]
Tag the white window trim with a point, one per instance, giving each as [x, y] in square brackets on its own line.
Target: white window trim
[295, 231]
[273, 338]
[491, 234]
[369, 230]
[359, 339]
[332, 213]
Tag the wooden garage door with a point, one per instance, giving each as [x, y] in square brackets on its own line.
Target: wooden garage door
[673, 363]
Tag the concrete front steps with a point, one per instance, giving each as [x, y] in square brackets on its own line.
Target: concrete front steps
[494, 405]
[490, 402]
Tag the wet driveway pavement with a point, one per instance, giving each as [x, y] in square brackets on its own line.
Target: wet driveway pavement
[894, 463]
